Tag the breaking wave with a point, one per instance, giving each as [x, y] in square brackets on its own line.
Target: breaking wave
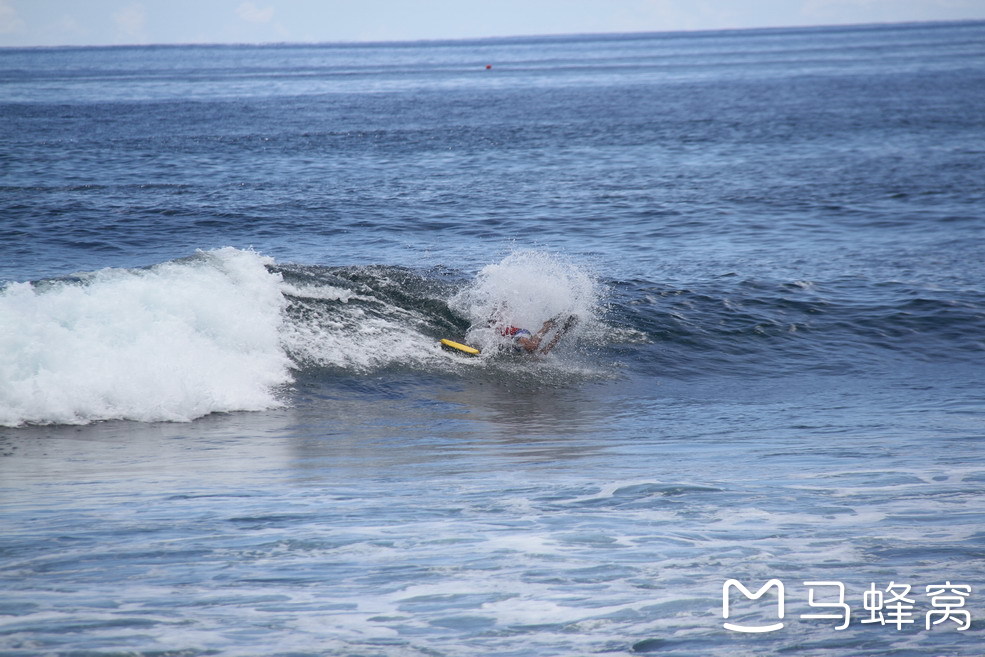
[230, 330]
[223, 330]
[171, 342]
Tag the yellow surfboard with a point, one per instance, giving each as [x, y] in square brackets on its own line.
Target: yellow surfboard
[459, 347]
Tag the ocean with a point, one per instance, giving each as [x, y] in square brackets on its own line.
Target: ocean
[227, 426]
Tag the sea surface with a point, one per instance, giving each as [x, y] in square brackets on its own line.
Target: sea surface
[227, 426]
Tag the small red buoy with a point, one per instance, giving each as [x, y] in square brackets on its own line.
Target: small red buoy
[488, 66]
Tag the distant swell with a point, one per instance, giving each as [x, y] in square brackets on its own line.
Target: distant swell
[764, 327]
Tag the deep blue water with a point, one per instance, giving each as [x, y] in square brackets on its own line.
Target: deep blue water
[226, 426]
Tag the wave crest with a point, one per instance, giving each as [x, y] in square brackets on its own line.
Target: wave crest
[175, 341]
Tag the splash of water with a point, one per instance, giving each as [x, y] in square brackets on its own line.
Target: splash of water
[526, 289]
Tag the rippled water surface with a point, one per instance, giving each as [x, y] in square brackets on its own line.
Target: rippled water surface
[226, 425]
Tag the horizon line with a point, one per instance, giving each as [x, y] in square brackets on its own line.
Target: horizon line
[513, 37]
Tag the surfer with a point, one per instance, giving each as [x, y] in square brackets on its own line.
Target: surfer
[520, 338]
[531, 342]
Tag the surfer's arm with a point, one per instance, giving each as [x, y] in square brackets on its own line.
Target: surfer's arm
[568, 324]
[548, 325]
[532, 343]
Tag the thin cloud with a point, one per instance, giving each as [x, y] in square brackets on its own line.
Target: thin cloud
[895, 9]
[250, 13]
[10, 21]
[131, 22]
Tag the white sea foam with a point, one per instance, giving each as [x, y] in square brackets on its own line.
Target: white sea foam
[173, 342]
[358, 338]
[324, 292]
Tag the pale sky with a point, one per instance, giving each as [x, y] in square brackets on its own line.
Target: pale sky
[111, 22]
